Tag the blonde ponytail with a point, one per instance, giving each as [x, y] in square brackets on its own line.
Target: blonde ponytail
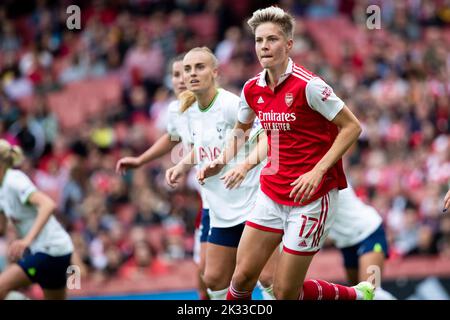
[17, 156]
[187, 99]
[11, 156]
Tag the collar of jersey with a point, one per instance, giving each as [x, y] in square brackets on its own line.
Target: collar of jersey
[262, 78]
[210, 104]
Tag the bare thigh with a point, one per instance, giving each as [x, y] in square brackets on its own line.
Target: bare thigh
[268, 272]
[255, 249]
[219, 266]
[13, 278]
[202, 264]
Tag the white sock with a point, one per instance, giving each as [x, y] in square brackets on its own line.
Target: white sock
[267, 292]
[381, 294]
[16, 295]
[217, 295]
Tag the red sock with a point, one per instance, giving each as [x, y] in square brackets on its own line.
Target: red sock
[233, 294]
[322, 290]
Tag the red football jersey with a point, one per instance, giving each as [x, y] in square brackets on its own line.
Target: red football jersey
[297, 118]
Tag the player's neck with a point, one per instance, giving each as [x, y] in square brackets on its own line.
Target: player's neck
[204, 100]
[274, 74]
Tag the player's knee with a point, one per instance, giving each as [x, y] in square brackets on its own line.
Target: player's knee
[215, 280]
[244, 279]
[266, 279]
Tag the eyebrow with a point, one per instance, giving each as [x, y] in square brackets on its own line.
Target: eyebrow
[195, 65]
[269, 36]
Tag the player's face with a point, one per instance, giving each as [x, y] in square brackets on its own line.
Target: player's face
[199, 71]
[177, 78]
[271, 45]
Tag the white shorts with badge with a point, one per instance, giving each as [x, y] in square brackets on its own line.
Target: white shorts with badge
[304, 228]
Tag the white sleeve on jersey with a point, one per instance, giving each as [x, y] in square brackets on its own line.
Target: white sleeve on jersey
[231, 110]
[245, 114]
[322, 99]
[23, 186]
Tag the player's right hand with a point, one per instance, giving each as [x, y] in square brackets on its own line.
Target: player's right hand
[209, 170]
[127, 163]
[173, 175]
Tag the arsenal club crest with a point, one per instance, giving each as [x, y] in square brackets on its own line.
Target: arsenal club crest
[288, 98]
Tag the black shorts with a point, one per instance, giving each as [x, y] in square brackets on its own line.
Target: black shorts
[47, 271]
[204, 226]
[228, 237]
[376, 242]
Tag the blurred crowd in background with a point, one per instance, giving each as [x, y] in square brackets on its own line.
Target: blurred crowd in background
[395, 79]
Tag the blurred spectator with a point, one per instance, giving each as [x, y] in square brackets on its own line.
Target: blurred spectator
[143, 263]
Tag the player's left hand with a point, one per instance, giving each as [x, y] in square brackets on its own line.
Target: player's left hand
[306, 185]
[234, 177]
[16, 249]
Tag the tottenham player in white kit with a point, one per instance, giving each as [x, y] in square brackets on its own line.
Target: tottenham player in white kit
[177, 129]
[43, 251]
[212, 113]
[359, 233]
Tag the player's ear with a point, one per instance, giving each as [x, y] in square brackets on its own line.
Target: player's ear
[215, 72]
[289, 45]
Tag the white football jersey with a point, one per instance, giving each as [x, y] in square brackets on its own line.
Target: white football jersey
[178, 129]
[15, 190]
[354, 220]
[209, 130]
[177, 125]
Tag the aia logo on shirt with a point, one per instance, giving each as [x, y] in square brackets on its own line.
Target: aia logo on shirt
[208, 153]
[289, 98]
[326, 93]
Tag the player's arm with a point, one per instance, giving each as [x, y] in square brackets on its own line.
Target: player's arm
[3, 224]
[174, 174]
[45, 207]
[239, 135]
[234, 177]
[160, 148]
[322, 99]
[349, 131]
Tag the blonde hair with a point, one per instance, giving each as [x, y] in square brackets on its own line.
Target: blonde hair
[208, 51]
[187, 98]
[10, 155]
[274, 15]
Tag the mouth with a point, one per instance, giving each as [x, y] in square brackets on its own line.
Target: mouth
[266, 57]
[194, 81]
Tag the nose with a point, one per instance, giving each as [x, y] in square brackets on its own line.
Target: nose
[265, 45]
[192, 73]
